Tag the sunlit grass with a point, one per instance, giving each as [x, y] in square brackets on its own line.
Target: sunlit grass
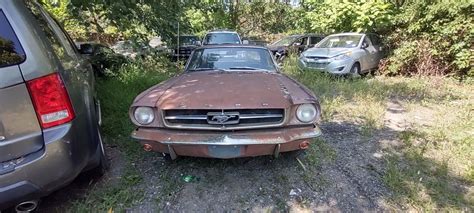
[439, 151]
[116, 93]
[434, 168]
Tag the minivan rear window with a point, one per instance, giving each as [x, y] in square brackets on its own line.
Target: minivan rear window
[11, 52]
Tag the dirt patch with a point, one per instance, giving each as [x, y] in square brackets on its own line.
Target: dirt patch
[349, 181]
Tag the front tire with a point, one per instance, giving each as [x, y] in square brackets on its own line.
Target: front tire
[355, 70]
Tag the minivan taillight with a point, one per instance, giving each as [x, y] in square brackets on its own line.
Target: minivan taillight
[51, 100]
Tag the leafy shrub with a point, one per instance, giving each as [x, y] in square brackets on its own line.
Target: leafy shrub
[140, 66]
[336, 16]
[432, 39]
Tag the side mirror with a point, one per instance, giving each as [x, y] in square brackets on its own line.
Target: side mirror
[364, 45]
[86, 49]
[198, 43]
[296, 44]
[245, 42]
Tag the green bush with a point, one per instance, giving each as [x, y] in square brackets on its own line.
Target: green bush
[439, 35]
[359, 16]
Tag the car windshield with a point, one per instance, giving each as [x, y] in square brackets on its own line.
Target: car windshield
[231, 58]
[222, 38]
[188, 40]
[340, 41]
[285, 41]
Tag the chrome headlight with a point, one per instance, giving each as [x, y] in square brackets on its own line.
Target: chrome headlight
[144, 115]
[341, 56]
[306, 113]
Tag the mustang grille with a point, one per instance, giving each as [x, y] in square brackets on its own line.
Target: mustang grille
[223, 119]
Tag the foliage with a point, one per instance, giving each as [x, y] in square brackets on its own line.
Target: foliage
[424, 37]
[439, 35]
[111, 20]
[260, 18]
[346, 16]
[205, 16]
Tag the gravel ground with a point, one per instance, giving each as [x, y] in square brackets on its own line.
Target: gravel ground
[343, 172]
[348, 178]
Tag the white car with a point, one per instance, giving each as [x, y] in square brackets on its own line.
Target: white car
[345, 53]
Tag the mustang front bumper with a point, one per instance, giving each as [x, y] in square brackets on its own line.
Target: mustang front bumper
[228, 144]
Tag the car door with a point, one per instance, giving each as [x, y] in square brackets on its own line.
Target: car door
[304, 44]
[313, 40]
[377, 43]
[370, 55]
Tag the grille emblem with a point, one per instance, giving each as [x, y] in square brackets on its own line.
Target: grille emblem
[223, 118]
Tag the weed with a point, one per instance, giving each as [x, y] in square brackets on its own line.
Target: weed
[116, 94]
[111, 196]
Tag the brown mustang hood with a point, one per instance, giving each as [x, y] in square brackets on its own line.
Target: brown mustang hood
[229, 90]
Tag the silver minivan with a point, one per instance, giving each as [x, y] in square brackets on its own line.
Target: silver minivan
[344, 53]
[49, 112]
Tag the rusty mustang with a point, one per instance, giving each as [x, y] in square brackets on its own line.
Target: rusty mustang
[231, 101]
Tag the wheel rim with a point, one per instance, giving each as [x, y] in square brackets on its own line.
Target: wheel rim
[355, 70]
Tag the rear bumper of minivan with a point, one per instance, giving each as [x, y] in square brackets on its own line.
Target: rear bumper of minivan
[40, 173]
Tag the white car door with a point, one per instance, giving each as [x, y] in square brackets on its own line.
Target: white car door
[372, 54]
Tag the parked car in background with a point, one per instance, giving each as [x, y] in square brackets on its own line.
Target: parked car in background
[131, 49]
[101, 56]
[345, 53]
[155, 47]
[183, 46]
[49, 111]
[221, 37]
[231, 101]
[294, 44]
[252, 40]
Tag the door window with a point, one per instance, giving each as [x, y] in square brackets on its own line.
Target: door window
[375, 39]
[298, 41]
[304, 41]
[367, 41]
[315, 40]
[11, 52]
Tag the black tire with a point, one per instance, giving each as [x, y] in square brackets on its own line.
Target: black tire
[355, 70]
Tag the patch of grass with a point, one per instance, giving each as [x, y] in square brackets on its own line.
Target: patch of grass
[436, 161]
[419, 182]
[116, 197]
[281, 205]
[434, 170]
[171, 183]
[319, 152]
[116, 94]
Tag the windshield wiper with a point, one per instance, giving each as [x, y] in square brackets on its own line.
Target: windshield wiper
[206, 69]
[247, 68]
